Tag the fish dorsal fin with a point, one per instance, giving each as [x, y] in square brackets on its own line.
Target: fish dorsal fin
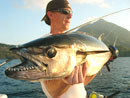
[100, 36]
[114, 44]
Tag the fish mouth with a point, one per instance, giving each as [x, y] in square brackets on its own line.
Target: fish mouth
[26, 70]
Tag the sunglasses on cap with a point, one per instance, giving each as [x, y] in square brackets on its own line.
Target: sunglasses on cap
[63, 11]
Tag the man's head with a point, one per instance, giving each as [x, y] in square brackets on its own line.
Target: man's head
[56, 6]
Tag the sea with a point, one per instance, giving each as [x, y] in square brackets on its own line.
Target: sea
[105, 83]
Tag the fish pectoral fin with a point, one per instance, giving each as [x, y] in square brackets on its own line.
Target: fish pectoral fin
[91, 52]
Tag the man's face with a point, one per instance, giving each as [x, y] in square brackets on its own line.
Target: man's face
[62, 20]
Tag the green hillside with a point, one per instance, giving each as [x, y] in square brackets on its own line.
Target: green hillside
[111, 33]
[4, 51]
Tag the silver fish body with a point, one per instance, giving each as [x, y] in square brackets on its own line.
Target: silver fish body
[55, 56]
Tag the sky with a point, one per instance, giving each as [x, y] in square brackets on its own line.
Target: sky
[20, 20]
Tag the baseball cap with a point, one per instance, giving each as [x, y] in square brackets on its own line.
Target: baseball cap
[54, 5]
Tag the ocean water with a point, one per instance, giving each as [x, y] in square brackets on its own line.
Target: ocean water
[107, 83]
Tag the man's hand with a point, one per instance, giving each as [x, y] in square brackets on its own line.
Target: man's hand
[77, 76]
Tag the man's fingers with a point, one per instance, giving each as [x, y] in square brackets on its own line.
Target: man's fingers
[80, 75]
[84, 69]
[75, 77]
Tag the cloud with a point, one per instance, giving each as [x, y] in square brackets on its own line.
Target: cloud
[88, 19]
[32, 4]
[91, 18]
[100, 3]
[41, 4]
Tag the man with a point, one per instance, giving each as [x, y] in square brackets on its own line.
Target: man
[58, 15]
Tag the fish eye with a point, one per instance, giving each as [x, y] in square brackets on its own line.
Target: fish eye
[51, 52]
